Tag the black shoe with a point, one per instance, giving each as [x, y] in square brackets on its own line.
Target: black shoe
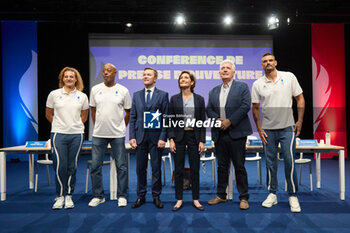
[139, 202]
[158, 203]
[175, 208]
[200, 208]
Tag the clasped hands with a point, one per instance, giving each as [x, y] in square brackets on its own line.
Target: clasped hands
[173, 146]
[133, 143]
[225, 123]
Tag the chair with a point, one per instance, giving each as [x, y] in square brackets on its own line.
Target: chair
[164, 157]
[301, 160]
[281, 159]
[89, 162]
[211, 158]
[46, 162]
[232, 177]
[149, 165]
[256, 158]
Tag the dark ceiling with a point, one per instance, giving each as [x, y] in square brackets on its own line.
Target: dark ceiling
[204, 12]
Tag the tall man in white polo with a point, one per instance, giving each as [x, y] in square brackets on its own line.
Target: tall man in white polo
[108, 102]
[275, 90]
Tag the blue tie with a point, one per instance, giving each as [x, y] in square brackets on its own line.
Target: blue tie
[148, 98]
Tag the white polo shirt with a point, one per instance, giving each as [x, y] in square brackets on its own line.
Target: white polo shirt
[110, 103]
[67, 110]
[276, 99]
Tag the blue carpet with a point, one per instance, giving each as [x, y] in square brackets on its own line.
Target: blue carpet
[322, 211]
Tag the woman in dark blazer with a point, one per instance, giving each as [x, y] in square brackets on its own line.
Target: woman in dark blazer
[189, 108]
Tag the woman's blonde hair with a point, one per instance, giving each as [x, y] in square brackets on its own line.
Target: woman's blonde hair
[79, 85]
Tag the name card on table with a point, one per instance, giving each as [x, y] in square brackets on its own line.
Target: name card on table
[87, 144]
[36, 144]
[255, 142]
[307, 142]
[208, 143]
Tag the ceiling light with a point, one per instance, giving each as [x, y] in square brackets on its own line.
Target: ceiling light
[273, 23]
[180, 19]
[228, 20]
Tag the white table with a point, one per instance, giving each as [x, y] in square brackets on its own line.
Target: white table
[18, 150]
[31, 151]
[113, 184]
[113, 173]
[307, 149]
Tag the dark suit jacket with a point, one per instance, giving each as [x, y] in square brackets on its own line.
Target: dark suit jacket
[237, 107]
[159, 101]
[176, 107]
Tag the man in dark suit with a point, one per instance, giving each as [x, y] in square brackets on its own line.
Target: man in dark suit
[230, 103]
[147, 135]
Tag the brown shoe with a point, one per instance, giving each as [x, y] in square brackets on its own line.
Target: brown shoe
[244, 205]
[216, 200]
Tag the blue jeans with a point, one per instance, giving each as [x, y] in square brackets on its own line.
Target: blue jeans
[65, 152]
[99, 146]
[286, 137]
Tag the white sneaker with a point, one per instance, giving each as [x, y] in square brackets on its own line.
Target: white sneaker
[270, 200]
[68, 203]
[294, 204]
[122, 202]
[96, 201]
[59, 202]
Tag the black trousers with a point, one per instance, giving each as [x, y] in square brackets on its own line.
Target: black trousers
[227, 150]
[188, 140]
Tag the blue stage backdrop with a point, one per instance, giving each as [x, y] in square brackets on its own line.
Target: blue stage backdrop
[19, 63]
[170, 54]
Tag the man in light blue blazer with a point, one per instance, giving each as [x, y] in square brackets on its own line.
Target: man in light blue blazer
[230, 103]
[147, 135]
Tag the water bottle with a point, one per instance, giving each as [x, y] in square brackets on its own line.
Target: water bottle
[328, 138]
[203, 167]
[203, 163]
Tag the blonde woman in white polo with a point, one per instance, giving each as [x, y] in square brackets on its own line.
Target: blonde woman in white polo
[66, 109]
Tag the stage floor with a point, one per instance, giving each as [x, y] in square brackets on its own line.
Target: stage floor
[322, 211]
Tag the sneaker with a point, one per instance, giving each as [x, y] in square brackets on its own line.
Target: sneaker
[270, 200]
[59, 203]
[122, 202]
[68, 203]
[96, 201]
[294, 204]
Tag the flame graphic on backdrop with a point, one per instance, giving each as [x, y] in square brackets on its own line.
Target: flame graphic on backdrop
[320, 85]
[27, 86]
